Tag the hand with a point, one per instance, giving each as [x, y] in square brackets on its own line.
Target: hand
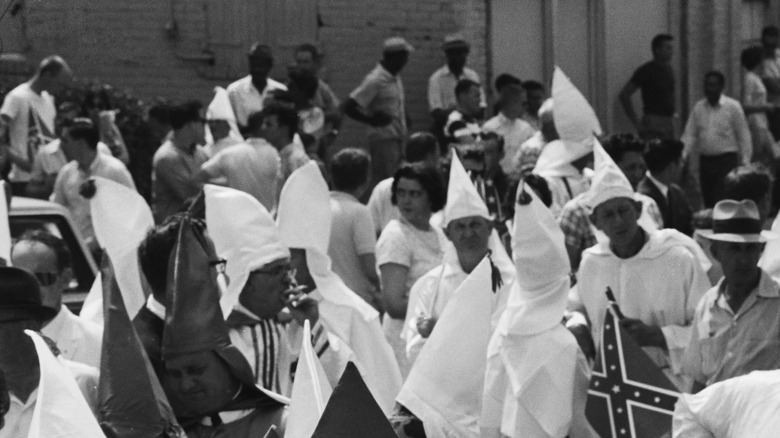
[380, 119]
[582, 335]
[425, 326]
[645, 335]
[301, 306]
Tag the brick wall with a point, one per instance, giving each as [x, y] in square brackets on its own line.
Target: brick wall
[124, 43]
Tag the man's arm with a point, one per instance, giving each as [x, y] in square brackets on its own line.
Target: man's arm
[744, 138]
[628, 107]
[352, 109]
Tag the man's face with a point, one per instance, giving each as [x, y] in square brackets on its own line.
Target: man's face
[71, 147]
[738, 259]
[202, 381]
[633, 166]
[534, 100]
[470, 101]
[270, 130]
[515, 108]
[396, 61]
[259, 67]
[617, 218]
[41, 261]
[713, 88]
[304, 60]
[196, 131]
[665, 51]
[769, 42]
[263, 293]
[456, 58]
[470, 234]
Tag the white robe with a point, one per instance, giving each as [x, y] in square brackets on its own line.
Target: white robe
[745, 406]
[77, 339]
[661, 286]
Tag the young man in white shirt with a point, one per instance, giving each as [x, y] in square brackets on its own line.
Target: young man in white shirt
[247, 95]
[510, 125]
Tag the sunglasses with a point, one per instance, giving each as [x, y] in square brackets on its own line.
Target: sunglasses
[46, 278]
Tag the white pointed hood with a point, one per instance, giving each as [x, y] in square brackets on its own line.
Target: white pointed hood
[310, 391]
[121, 218]
[609, 182]
[60, 410]
[220, 109]
[463, 200]
[244, 234]
[444, 387]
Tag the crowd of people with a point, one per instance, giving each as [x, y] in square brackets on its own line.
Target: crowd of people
[445, 282]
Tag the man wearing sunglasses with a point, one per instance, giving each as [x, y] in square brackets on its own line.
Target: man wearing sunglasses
[48, 259]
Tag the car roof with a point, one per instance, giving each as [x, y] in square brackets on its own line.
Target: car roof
[25, 206]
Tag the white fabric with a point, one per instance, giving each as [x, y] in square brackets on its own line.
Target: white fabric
[92, 310]
[121, 218]
[19, 416]
[661, 286]
[463, 200]
[310, 392]
[559, 154]
[609, 182]
[770, 261]
[441, 88]
[219, 108]
[381, 206]
[50, 160]
[574, 118]
[17, 106]
[5, 228]
[60, 411]
[305, 196]
[565, 184]
[515, 132]
[244, 234]
[246, 99]
[78, 340]
[745, 406]
[444, 387]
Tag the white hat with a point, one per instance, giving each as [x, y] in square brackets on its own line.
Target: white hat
[737, 221]
[444, 386]
[244, 234]
[121, 218]
[609, 182]
[220, 108]
[462, 197]
[310, 391]
[574, 118]
[60, 409]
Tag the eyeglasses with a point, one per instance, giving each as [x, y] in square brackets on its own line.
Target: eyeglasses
[46, 278]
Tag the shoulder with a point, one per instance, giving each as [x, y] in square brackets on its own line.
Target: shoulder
[438, 74]
[428, 280]
[239, 85]
[392, 231]
[275, 85]
[164, 151]
[471, 74]
[492, 124]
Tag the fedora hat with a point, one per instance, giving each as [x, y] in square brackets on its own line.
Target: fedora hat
[737, 221]
[20, 297]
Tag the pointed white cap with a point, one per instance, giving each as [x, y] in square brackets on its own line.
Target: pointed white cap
[609, 182]
[574, 118]
[304, 209]
[220, 108]
[60, 409]
[462, 197]
[444, 387]
[244, 234]
[121, 218]
[538, 297]
[310, 391]
[5, 229]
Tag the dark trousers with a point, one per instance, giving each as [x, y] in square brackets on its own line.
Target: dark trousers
[712, 171]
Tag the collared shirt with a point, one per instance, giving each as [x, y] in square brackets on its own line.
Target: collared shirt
[325, 98]
[154, 306]
[78, 340]
[663, 188]
[383, 91]
[380, 204]
[30, 113]
[253, 167]
[292, 156]
[70, 179]
[515, 132]
[720, 129]
[754, 93]
[726, 344]
[19, 416]
[533, 120]
[50, 160]
[525, 159]
[441, 88]
[246, 99]
[172, 178]
[770, 69]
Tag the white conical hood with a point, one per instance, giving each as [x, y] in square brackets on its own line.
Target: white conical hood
[121, 218]
[609, 182]
[463, 200]
[60, 410]
[220, 108]
[310, 391]
[574, 118]
[444, 387]
[244, 234]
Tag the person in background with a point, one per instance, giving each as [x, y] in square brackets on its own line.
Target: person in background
[534, 98]
[309, 58]
[526, 158]
[409, 247]
[510, 125]
[98, 106]
[664, 169]
[352, 239]
[769, 72]
[248, 94]
[463, 123]
[756, 105]
[279, 125]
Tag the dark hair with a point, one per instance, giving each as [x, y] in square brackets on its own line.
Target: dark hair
[5, 400]
[428, 177]
[464, 86]
[752, 57]
[159, 112]
[154, 252]
[54, 243]
[83, 129]
[540, 187]
[752, 181]
[285, 115]
[305, 81]
[51, 65]
[263, 51]
[183, 113]
[349, 169]
[659, 40]
[770, 30]
[420, 145]
[511, 93]
[617, 145]
[254, 122]
[661, 153]
[717, 75]
[311, 48]
[505, 79]
[532, 85]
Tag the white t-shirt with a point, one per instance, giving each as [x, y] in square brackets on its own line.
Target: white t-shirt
[246, 99]
[18, 105]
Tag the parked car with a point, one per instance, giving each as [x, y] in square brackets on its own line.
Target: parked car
[29, 213]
